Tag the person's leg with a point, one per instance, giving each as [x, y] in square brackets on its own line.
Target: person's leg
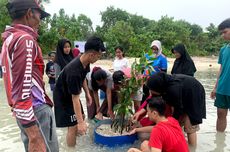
[221, 122]
[191, 131]
[24, 137]
[47, 126]
[45, 117]
[71, 136]
[222, 103]
[192, 139]
[91, 109]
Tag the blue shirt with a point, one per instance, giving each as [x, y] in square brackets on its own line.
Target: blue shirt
[160, 63]
[223, 86]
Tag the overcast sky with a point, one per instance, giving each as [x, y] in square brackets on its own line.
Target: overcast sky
[201, 12]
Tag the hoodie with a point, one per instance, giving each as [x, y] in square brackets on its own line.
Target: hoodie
[23, 70]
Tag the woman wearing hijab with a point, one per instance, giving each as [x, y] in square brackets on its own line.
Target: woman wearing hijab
[63, 56]
[159, 64]
[159, 60]
[183, 63]
[187, 97]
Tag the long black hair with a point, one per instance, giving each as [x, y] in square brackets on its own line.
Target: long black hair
[61, 58]
[97, 75]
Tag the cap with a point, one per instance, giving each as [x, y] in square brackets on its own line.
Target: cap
[18, 5]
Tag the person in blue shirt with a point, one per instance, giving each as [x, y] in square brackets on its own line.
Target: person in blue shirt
[221, 91]
[159, 64]
[160, 61]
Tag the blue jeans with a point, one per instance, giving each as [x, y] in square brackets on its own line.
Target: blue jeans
[47, 126]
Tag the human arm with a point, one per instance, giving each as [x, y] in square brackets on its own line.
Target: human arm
[146, 129]
[87, 94]
[213, 93]
[96, 99]
[82, 127]
[134, 150]
[137, 115]
[25, 52]
[109, 100]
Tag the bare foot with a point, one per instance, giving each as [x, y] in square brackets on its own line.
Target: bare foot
[99, 116]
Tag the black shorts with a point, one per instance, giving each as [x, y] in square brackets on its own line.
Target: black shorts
[65, 116]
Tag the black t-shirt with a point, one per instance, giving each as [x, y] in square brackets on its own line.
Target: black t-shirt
[70, 82]
[50, 70]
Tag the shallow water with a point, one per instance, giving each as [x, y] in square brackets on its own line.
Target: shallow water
[208, 139]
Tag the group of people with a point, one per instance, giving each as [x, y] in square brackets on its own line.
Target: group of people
[170, 101]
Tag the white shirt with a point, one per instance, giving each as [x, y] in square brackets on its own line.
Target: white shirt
[108, 82]
[120, 64]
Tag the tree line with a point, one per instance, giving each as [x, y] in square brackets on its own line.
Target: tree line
[133, 32]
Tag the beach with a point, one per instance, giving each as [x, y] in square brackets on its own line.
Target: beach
[208, 139]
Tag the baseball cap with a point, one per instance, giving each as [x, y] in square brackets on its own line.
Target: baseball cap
[14, 6]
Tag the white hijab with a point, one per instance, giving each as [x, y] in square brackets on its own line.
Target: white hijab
[157, 43]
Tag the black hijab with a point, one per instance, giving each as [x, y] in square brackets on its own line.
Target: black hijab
[183, 65]
[63, 59]
[159, 82]
[170, 88]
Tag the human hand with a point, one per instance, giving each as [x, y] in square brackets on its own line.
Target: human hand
[111, 114]
[213, 94]
[82, 127]
[132, 131]
[135, 117]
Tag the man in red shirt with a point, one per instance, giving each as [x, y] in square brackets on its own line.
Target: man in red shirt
[23, 69]
[166, 135]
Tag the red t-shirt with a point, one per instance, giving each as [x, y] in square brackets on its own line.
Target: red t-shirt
[168, 137]
[75, 52]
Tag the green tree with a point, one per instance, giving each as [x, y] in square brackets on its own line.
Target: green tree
[4, 17]
[120, 34]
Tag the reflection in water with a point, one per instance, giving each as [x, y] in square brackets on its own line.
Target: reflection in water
[219, 142]
[208, 139]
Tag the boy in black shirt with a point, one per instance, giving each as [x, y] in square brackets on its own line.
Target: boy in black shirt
[50, 71]
[68, 108]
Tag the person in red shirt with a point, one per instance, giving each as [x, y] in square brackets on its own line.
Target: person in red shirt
[166, 135]
[76, 51]
[23, 69]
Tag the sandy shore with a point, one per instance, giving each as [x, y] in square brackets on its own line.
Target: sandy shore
[202, 63]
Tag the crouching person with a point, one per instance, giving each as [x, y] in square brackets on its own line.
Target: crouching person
[166, 135]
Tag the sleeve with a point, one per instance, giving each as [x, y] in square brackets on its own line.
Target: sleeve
[164, 64]
[155, 139]
[221, 55]
[74, 84]
[22, 68]
[57, 70]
